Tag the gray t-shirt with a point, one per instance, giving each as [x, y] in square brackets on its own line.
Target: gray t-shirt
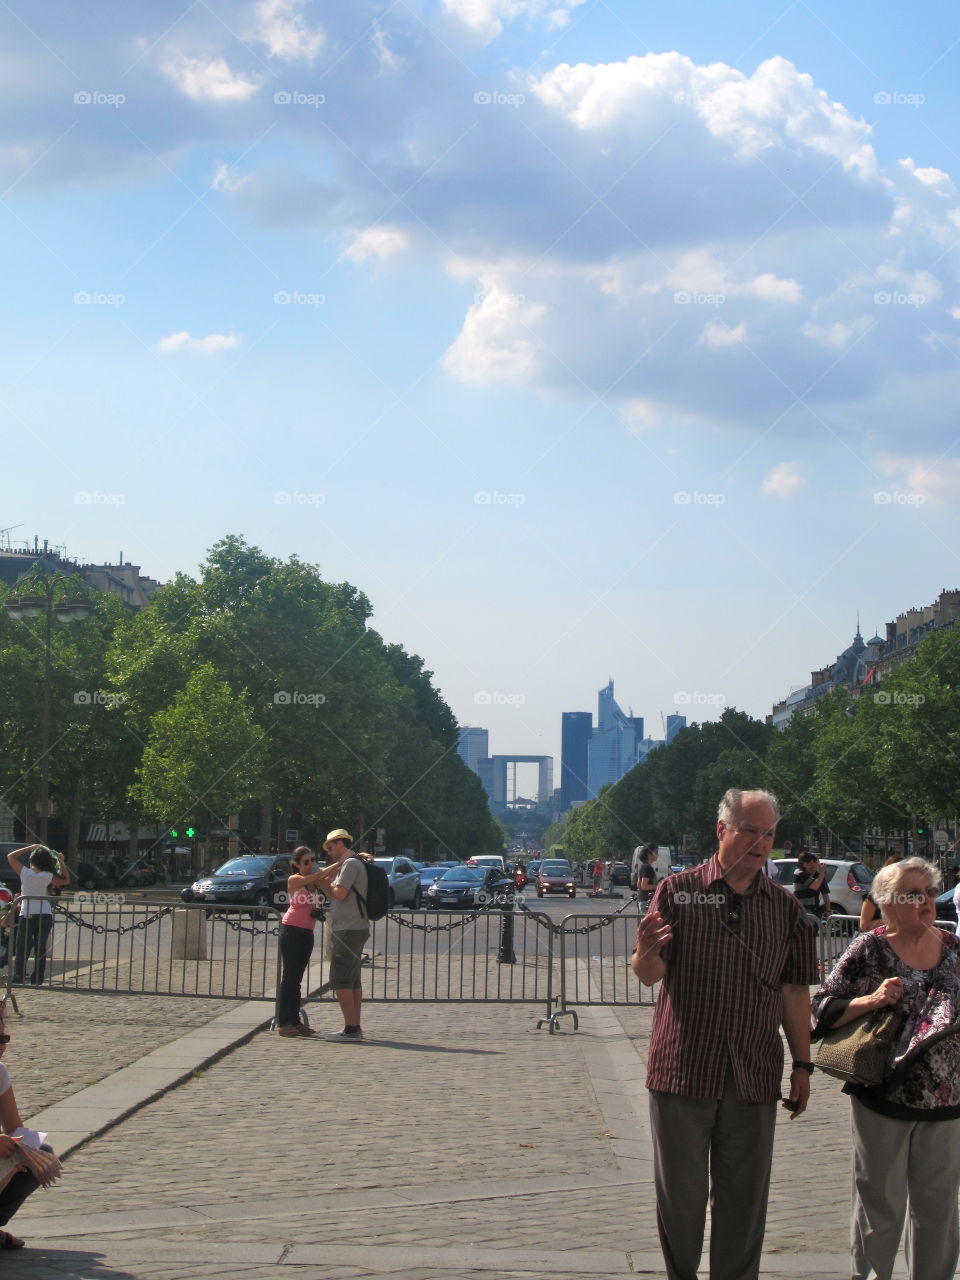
[347, 914]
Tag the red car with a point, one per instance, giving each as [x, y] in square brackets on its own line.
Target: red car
[556, 877]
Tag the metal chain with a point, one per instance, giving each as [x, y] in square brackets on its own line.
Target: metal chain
[245, 928]
[436, 928]
[102, 928]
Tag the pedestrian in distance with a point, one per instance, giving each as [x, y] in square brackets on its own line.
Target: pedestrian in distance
[647, 876]
[735, 954]
[906, 1130]
[870, 911]
[296, 939]
[597, 877]
[345, 884]
[810, 885]
[36, 911]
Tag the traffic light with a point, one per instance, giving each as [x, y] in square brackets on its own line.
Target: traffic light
[174, 835]
[190, 832]
[923, 827]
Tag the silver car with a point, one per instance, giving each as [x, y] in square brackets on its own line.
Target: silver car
[404, 878]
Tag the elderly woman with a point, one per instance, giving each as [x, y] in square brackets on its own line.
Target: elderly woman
[906, 1131]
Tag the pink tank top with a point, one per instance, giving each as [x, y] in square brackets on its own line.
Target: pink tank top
[301, 904]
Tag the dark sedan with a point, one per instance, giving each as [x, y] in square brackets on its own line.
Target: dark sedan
[471, 887]
[254, 880]
[946, 908]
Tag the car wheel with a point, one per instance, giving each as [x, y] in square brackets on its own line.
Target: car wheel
[417, 899]
[262, 899]
[391, 899]
[540, 893]
[88, 883]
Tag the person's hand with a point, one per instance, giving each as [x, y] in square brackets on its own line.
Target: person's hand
[799, 1092]
[888, 992]
[653, 934]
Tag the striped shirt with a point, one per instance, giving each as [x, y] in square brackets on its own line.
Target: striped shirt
[720, 1005]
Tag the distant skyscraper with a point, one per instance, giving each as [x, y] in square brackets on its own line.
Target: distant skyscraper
[614, 745]
[575, 733]
[473, 746]
[674, 725]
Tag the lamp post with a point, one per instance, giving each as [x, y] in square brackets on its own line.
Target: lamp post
[67, 609]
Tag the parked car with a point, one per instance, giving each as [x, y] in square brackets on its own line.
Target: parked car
[139, 874]
[946, 910]
[251, 880]
[430, 871]
[488, 860]
[8, 877]
[471, 887]
[89, 876]
[532, 869]
[848, 883]
[620, 873]
[405, 885]
[556, 877]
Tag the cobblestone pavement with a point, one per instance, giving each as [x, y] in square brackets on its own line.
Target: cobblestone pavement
[67, 1040]
[457, 1142]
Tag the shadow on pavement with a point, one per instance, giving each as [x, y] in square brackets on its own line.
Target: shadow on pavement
[77, 1264]
[406, 1044]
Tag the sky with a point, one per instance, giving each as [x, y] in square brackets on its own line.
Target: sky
[606, 340]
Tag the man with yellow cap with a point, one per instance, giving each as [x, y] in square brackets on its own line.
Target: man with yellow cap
[345, 884]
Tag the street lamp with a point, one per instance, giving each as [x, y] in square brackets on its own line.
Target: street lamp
[67, 609]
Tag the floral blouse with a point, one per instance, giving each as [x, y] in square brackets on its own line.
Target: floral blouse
[924, 1064]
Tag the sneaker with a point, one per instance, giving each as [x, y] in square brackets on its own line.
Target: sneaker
[348, 1036]
[288, 1031]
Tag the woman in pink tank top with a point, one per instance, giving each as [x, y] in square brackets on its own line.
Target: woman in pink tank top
[296, 940]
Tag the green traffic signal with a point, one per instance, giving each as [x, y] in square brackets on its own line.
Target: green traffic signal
[173, 834]
[190, 832]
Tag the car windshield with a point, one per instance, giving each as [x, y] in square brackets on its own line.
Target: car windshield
[862, 874]
[244, 867]
[554, 869]
[463, 873]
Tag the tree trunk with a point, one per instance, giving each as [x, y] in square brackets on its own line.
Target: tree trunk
[266, 821]
[73, 838]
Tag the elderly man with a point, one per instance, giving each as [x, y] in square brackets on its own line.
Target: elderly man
[736, 958]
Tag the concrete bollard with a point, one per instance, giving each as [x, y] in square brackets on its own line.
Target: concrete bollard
[189, 935]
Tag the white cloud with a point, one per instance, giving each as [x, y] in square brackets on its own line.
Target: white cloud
[934, 479]
[498, 340]
[386, 58]
[936, 179]
[770, 289]
[784, 480]
[280, 25]
[486, 18]
[834, 335]
[377, 242]
[209, 79]
[225, 179]
[717, 334]
[212, 343]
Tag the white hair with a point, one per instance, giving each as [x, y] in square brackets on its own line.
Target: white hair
[731, 806]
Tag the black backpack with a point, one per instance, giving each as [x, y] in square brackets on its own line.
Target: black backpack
[377, 902]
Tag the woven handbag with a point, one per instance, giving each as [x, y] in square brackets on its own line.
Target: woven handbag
[857, 1052]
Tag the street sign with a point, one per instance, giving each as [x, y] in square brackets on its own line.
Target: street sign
[940, 838]
[787, 846]
[292, 835]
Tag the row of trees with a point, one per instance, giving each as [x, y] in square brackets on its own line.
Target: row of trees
[257, 690]
[876, 758]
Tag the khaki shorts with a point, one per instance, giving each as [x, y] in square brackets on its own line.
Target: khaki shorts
[346, 955]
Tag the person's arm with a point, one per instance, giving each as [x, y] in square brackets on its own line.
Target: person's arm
[647, 962]
[796, 1027]
[15, 858]
[868, 913]
[326, 878]
[64, 877]
[888, 992]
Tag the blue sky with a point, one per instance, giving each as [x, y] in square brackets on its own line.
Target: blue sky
[591, 340]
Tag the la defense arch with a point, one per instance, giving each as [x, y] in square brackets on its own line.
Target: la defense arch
[499, 777]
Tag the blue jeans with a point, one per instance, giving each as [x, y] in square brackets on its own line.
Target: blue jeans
[33, 934]
[16, 1191]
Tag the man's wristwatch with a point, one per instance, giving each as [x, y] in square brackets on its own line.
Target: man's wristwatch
[802, 1066]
